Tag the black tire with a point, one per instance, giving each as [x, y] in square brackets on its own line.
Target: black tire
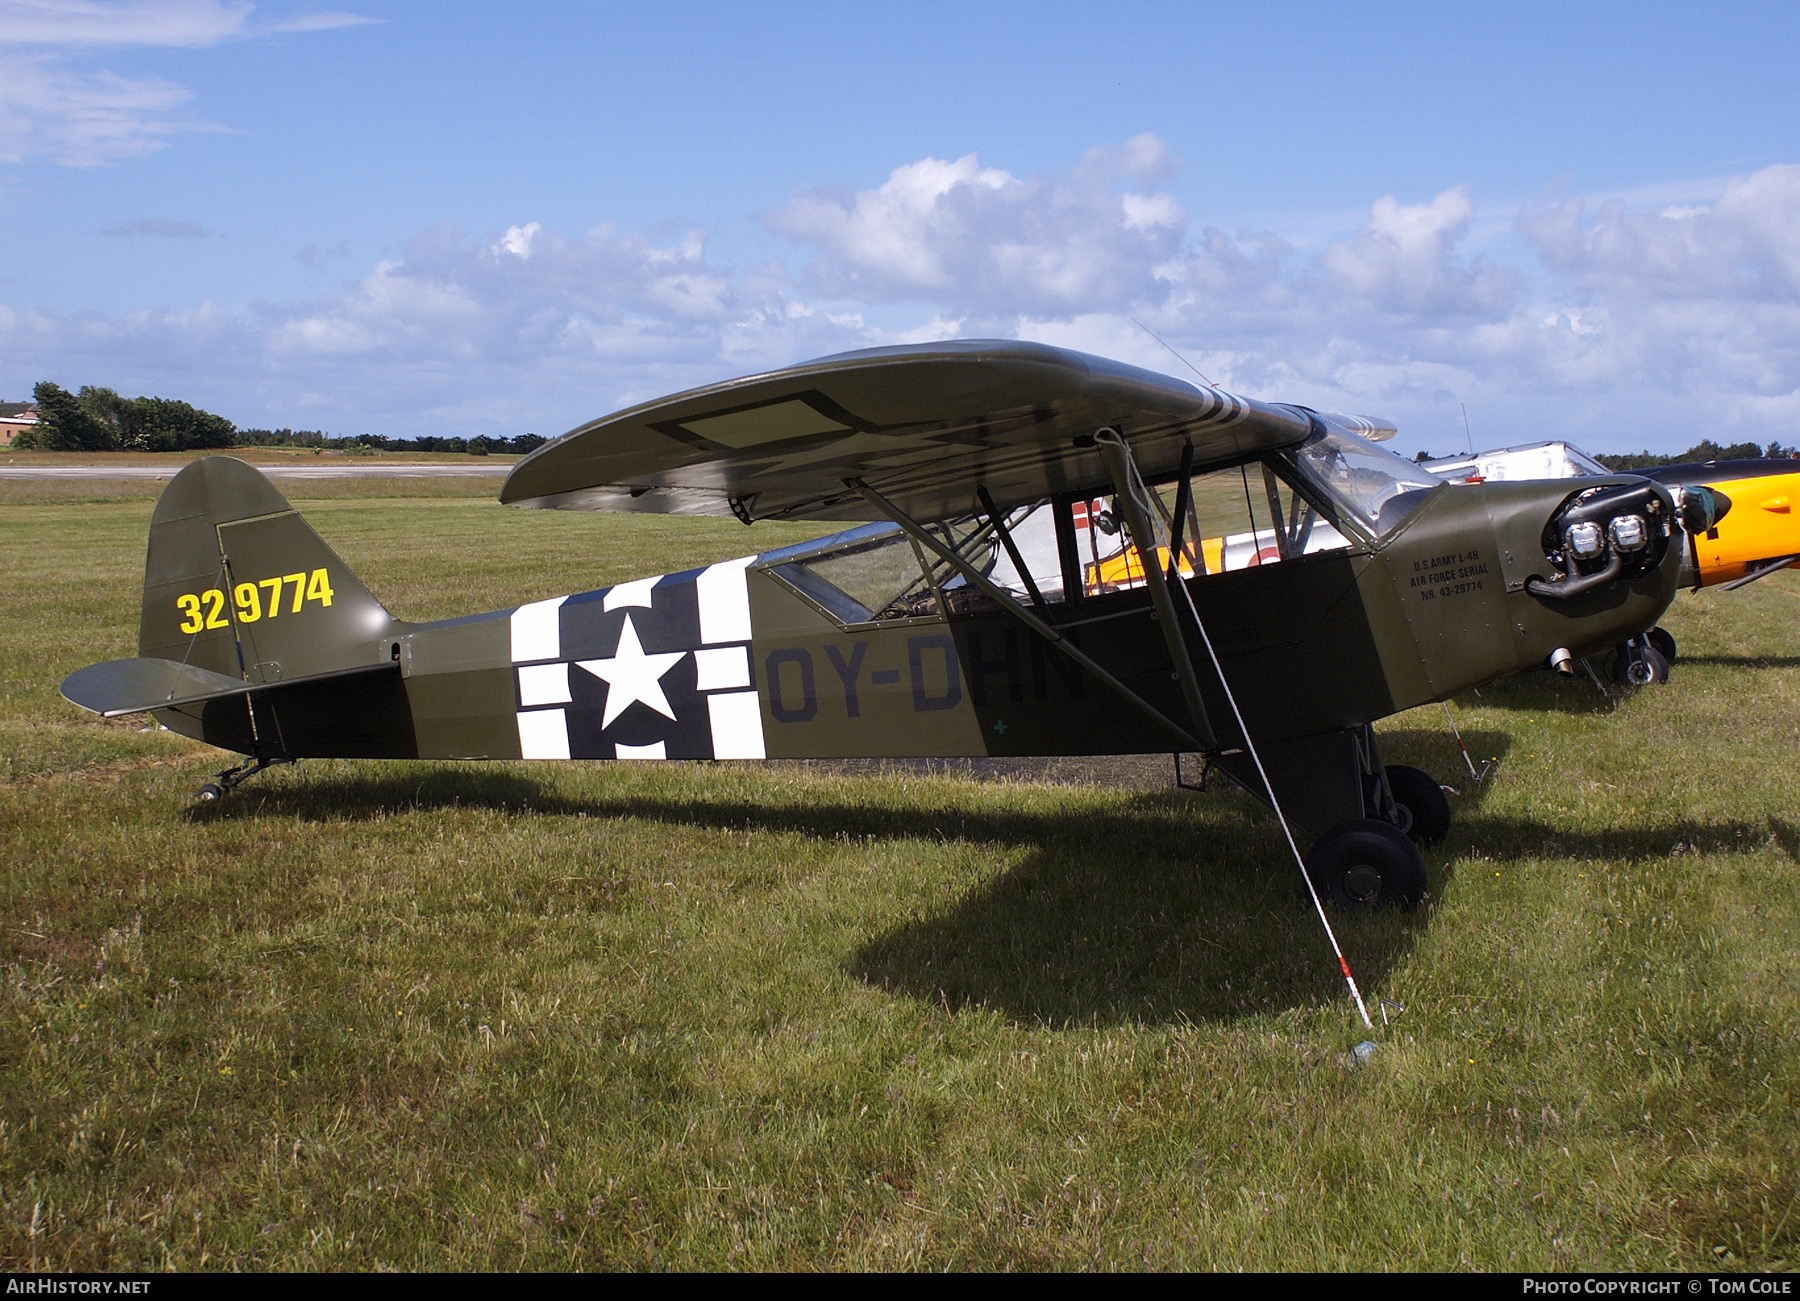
[1663, 643]
[1646, 668]
[211, 792]
[1366, 865]
[1420, 795]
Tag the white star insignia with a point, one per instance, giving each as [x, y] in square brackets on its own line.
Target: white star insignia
[632, 676]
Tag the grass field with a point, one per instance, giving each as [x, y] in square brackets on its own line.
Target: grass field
[550, 1016]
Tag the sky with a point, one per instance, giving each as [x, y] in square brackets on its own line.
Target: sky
[1567, 221]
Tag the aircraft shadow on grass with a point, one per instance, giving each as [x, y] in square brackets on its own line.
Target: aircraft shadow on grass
[1133, 912]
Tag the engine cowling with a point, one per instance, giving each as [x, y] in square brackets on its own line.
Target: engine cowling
[1606, 534]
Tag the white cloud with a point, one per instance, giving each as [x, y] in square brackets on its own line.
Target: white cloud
[525, 330]
[517, 240]
[1638, 327]
[1744, 246]
[83, 119]
[128, 22]
[324, 21]
[176, 23]
[1635, 325]
[1401, 260]
[981, 241]
[160, 228]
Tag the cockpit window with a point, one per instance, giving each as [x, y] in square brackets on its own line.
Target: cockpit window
[1240, 517]
[860, 575]
[874, 573]
[1368, 483]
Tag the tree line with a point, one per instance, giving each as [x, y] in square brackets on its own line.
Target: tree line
[100, 420]
[1704, 450]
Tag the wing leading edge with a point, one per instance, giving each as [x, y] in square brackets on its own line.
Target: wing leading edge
[926, 423]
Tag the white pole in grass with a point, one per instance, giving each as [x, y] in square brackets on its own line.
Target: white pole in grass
[1274, 803]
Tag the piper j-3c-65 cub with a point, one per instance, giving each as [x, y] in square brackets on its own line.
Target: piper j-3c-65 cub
[991, 598]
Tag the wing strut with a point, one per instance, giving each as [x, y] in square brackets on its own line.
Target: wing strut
[1019, 612]
[1130, 502]
[1012, 548]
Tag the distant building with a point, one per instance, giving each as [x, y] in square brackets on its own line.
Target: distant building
[15, 416]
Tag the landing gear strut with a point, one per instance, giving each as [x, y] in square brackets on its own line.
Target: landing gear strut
[1374, 861]
[232, 778]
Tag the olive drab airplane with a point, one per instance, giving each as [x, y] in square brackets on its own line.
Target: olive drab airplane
[988, 595]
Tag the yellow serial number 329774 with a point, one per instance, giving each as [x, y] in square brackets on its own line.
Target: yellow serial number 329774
[206, 610]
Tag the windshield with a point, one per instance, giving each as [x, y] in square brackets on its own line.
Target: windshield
[1373, 486]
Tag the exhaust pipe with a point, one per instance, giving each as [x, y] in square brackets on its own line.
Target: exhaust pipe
[1565, 588]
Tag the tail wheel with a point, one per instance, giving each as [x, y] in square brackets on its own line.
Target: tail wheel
[211, 793]
[1662, 642]
[1418, 793]
[1367, 864]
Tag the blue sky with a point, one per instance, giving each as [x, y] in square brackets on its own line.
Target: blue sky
[1579, 221]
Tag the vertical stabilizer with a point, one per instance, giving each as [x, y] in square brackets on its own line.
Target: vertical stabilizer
[235, 582]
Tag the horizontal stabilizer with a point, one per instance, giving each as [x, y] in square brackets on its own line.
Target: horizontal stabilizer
[137, 685]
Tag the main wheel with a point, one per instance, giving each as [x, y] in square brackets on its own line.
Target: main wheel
[1367, 864]
[211, 792]
[1419, 794]
[1647, 667]
[1663, 642]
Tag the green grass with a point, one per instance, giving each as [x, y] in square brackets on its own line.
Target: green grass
[558, 1015]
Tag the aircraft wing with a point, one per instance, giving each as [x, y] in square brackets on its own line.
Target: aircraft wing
[926, 424]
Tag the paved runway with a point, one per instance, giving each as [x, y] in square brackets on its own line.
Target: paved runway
[323, 470]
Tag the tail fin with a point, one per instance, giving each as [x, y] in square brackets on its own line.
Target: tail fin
[236, 583]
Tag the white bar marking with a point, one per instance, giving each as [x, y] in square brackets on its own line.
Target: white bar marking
[656, 750]
[737, 730]
[724, 602]
[537, 630]
[544, 735]
[636, 592]
[729, 666]
[544, 684]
